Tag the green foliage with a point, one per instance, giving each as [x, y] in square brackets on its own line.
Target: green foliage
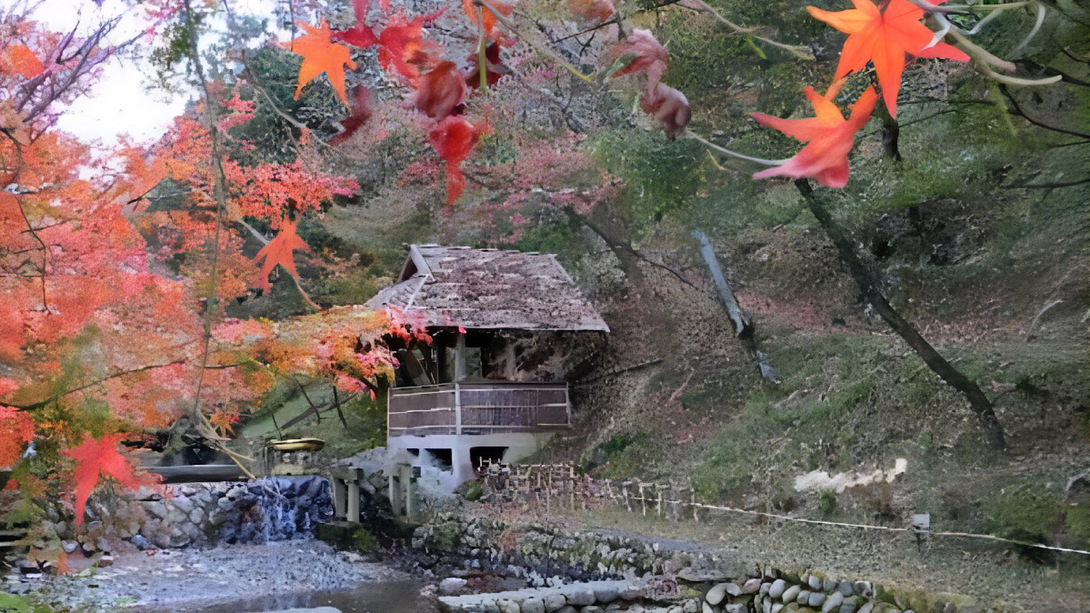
[629, 454]
[174, 49]
[1026, 512]
[474, 491]
[708, 60]
[446, 536]
[660, 175]
[827, 502]
[12, 603]
[363, 540]
[1077, 520]
[275, 73]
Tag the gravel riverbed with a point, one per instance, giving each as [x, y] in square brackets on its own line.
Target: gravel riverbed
[198, 580]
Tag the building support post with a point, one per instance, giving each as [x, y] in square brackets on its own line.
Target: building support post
[353, 510]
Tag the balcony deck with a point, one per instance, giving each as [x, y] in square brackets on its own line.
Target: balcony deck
[478, 409]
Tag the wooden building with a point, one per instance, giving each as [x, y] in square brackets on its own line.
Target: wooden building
[489, 384]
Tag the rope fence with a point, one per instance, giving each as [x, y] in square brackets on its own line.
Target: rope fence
[549, 486]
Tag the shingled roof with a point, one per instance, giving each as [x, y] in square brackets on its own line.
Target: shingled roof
[489, 289]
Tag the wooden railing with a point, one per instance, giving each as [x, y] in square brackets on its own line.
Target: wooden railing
[478, 408]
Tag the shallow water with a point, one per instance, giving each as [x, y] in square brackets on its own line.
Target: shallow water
[377, 597]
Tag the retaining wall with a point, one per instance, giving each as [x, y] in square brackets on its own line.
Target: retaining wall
[198, 514]
[660, 576]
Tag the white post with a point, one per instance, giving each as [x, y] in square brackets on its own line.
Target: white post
[353, 511]
[460, 359]
[458, 409]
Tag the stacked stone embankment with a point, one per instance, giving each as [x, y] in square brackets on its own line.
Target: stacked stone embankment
[197, 514]
[644, 576]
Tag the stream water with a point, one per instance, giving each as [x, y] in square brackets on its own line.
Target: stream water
[378, 597]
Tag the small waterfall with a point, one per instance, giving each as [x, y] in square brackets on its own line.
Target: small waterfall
[277, 509]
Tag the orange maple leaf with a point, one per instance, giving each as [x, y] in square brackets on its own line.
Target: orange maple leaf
[279, 251]
[19, 59]
[222, 420]
[16, 430]
[883, 37]
[828, 134]
[96, 457]
[487, 16]
[595, 11]
[321, 55]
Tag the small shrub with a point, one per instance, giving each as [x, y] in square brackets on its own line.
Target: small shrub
[474, 491]
[827, 502]
[363, 540]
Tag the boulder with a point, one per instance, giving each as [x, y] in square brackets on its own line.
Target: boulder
[790, 594]
[553, 602]
[452, 586]
[779, 586]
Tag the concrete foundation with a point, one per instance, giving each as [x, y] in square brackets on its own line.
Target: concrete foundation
[514, 447]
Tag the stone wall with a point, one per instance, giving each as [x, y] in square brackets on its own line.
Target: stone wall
[664, 576]
[198, 514]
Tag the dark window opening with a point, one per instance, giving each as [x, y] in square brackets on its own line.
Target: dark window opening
[488, 454]
[443, 458]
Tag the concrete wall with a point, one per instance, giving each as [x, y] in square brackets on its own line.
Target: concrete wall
[519, 445]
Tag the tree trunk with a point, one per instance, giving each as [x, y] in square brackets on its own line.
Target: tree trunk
[868, 284]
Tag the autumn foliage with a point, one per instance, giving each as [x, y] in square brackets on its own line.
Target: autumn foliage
[116, 287]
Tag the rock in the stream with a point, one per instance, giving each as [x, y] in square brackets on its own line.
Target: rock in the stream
[452, 586]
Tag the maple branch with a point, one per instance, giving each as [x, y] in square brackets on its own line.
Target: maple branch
[731, 154]
[58, 395]
[552, 55]
[618, 17]
[482, 59]
[198, 416]
[976, 51]
[966, 8]
[798, 51]
[20, 161]
[869, 287]
[1044, 126]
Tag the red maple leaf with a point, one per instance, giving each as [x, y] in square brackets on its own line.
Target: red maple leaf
[883, 37]
[402, 48]
[362, 109]
[360, 35]
[321, 55]
[493, 66]
[670, 107]
[280, 250]
[453, 140]
[441, 90]
[640, 52]
[828, 135]
[96, 457]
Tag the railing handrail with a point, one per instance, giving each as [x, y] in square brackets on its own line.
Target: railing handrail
[473, 385]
